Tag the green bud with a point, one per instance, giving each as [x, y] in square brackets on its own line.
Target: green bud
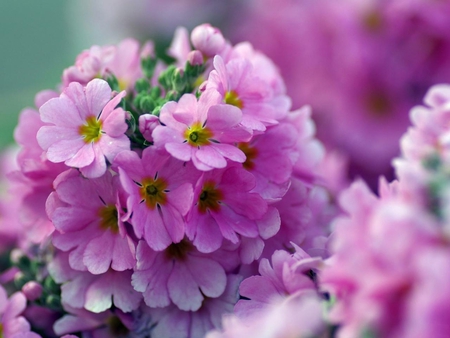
[156, 111]
[142, 85]
[172, 95]
[147, 104]
[23, 263]
[178, 80]
[155, 92]
[53, 302]
[113, 82]
[165, 79]
[50, 285]
[148, 66]
[20, 280]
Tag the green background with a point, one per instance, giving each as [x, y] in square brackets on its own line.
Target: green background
[35, 46]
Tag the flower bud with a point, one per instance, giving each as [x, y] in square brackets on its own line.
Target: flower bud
[195, 58]
[32, 290]
[208, 40]
[147, 123]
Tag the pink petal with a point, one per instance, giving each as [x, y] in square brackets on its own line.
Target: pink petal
[211, 157]
[231, 152]
[66, 149]
[62, 112]
[223, 117]
[50, 135]
[70, 323]
[114, 125]
[97, 94]
[16, 305]
[98, 166]
[84, 156]
[181, 198]
[209, 275]
[99, 295]
[183, 289]
[205, 233]
[69, 219]
[125, 297]
[123, 254]
[109, 109]
[98, 253]
[181, 151]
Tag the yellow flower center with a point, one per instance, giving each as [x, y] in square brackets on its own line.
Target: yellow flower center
[1, 330]
[123, 84]
[196, 135]
[109, 218]
[250, 153]
[153, 192]
[92, 130]
[209, 198]
[232, 98]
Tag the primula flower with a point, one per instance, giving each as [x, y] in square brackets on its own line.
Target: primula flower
[239, 86]
[288, 274]
[180, 275]
[12, 324]
[269, 157]
[224, 208]
[123, 61]
[208, 40]
[374, 292]
[86, 129]
[86, 214]
[299, 315]
[95, 293]
[160, 195]
[173, 322]
[203, 131]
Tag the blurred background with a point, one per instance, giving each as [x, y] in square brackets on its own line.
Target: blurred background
[35, 47]
[361, 64]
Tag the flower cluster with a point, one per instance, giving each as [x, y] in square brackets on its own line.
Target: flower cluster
[391, 253]
[360, 65]
[145, 191]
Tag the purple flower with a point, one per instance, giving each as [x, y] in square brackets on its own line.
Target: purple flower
[86, 214]
[85, 129]
[180, 275]
[203, 131]
[224, 208]
[160, 194]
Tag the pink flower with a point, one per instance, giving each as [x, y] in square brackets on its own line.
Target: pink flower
[224, 208]
[377, 270]
[148, 123]
[269, 157]
[88, 65]
[95, 293]
[180, 275]
[299, 315]
[85, 129]
[208, 40]
[173, 322]
[160, 194]
[12, 324]
[123, 61]
[86, 214]
[288, 274]
[240, 86]
[203, 131]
